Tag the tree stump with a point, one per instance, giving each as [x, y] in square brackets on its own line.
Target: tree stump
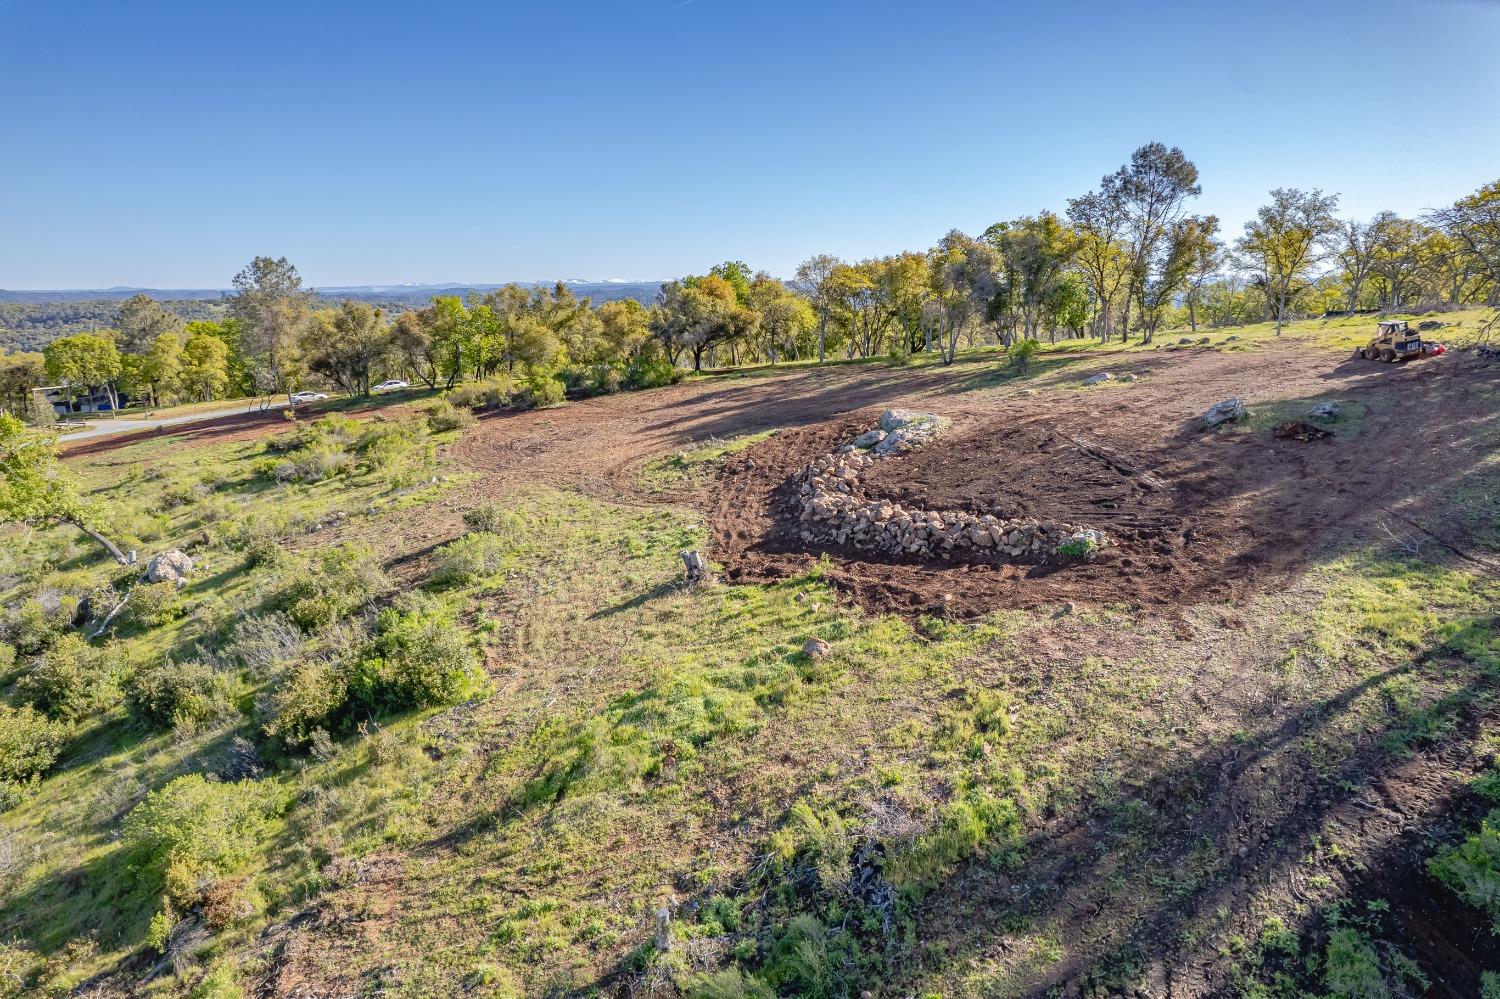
[663, 930]
[698, 572]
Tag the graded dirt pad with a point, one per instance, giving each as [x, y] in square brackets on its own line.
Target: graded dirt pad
[1192, 515]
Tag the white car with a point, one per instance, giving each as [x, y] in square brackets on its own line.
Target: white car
[391, 385]
[300, 397]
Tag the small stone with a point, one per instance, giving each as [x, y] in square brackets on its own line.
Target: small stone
[815, 648]
[1103, 376]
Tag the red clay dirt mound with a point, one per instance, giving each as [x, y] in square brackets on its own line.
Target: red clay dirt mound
[1192, 515]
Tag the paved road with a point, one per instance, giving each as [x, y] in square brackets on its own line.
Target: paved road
[105, 428]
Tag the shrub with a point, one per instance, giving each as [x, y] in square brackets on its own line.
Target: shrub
[35, 625]
[1022, 352]
[492, 393]
[653, 372]
[495, 518]
[470, 558]
[306, 698]
[604, 379]
[153, 604]
[262, 641]
[443, 416]
[69, 680]
[540, 388]
[194, 828]
[401, 452]
[7, 660]
[264, 553]
[1472, 868]
[333, 583]
[170, 694]
[219, 983]
[30, 743]
[731, 983]
[419, 658]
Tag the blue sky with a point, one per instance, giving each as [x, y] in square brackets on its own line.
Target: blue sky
[164, 144]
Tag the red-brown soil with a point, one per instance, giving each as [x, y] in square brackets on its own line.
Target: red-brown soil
[1193, 515]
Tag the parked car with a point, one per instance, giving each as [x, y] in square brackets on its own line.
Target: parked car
[391, 385]
[300, 397]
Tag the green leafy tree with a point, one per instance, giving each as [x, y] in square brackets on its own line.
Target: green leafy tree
[87, 359]
[345, 344]
[1098, 221]
[271, 306]
[142, 320]
[816, 279]
[204, 373]
[35, 489]
[20, 373]
[1284, 243]
[1151, 193]
[162, 366]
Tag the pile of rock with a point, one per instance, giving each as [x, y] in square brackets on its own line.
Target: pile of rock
[835, 509]
[899, 431]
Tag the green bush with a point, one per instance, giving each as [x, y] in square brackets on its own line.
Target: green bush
[731, 983]
[7, 661]
[30, 743]
[496, 518]
[261, 642]
[652, 372]
[34, 626]
[419, 657]
[264, 553]
[1472, 868]
[1022, 353]
[194, 828]
[541, 388]
[331, 584]
[170, 694]
[492, 393]
[443, 416]
[70, 680]
[153, 604]
[470, 558]
[306, 697]
[402, 452]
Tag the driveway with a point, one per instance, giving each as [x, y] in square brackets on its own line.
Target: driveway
[105, 428]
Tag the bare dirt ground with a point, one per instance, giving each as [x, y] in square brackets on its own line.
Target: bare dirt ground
[1194, 515]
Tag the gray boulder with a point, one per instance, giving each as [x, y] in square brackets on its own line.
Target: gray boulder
[815, 648]
[869, 438]
[899, 419]
[169, 567]
[1325, 411]
[1101, 377]
[1224, 412]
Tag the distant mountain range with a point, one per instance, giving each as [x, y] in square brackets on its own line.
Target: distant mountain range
[404, 294]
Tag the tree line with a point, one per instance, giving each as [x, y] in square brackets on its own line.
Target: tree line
[1124, 260]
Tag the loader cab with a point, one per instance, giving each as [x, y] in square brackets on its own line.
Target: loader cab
[1395, 340]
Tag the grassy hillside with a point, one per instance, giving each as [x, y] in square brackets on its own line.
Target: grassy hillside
[413, 728]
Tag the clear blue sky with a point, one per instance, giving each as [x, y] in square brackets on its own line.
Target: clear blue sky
[164, 144]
